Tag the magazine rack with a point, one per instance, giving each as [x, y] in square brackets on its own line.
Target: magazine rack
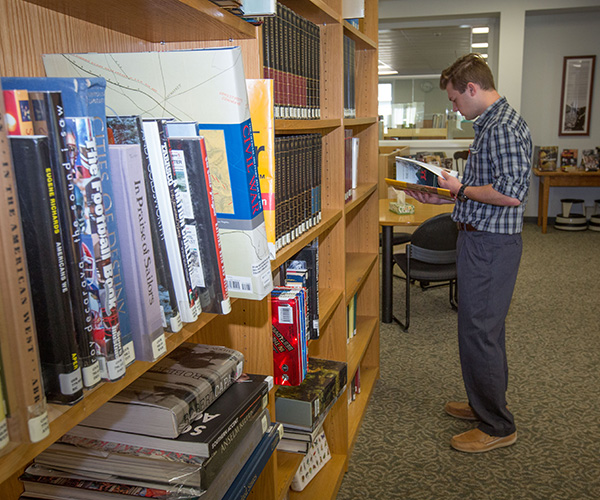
[348, 245]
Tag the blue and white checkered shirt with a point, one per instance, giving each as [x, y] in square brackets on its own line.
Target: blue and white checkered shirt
[501, 156]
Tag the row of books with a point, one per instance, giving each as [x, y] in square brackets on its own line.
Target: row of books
[291, 57]
[298, 160]
[194, 424]
[349, 77]
[546, 158]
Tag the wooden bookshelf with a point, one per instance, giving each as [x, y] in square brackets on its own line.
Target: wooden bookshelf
[347, 233]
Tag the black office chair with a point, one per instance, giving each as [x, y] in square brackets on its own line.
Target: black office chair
[460, 157]
[430, 257]
[397, 238]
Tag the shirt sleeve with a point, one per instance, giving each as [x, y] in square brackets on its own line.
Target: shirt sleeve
[510, 162]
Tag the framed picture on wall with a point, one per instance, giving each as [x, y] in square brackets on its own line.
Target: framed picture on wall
[576, 95]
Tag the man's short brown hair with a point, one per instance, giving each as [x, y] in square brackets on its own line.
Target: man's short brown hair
[470, 68]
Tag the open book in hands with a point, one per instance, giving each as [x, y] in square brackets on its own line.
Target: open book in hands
[415, 175]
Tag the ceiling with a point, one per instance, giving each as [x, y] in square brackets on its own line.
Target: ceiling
[423, 51]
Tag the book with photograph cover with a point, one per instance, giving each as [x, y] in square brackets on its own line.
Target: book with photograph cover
[545, 158]
[85, 96]
[192, 173]
[25, 397]
[49, 119]
[171, 394]
[415, 175]
[129, 130]
[137, 255]
[590, 159]
[209, 434]
[206, 86]
[95, 243]
[568, 160]
[47, 269]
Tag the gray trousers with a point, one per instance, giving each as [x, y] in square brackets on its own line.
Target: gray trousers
[487, 266]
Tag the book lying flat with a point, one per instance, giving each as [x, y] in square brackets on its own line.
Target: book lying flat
[171, 394]
[415, 175]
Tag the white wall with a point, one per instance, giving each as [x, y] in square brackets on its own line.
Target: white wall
[534, 37]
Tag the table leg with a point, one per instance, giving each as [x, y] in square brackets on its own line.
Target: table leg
[386, 274]
[540, 201]
[545, 193]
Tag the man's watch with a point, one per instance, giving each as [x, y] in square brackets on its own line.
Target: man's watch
[461, 196]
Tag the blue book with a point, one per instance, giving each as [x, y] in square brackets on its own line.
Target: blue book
[85, 97]
[246, 478]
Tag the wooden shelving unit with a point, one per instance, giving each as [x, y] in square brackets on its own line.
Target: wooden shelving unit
[348, 232]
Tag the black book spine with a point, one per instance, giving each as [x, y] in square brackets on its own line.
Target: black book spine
[49, 119]
[214, 297]
[47, 269]
[128, 130]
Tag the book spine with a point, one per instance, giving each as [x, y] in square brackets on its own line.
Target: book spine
[247, 477]
[49, 119]
[18, 112]
[188, 243]
[95, 239]
[4, 437]
[129, 130]
[176, 255]
[137, 252]
[47, 267]
[190, 163]
[25, 395]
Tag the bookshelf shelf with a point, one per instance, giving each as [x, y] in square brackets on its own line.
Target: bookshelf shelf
[347, 233]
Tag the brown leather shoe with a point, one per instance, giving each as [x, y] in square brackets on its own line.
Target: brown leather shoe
[461, 410]
[476, 441]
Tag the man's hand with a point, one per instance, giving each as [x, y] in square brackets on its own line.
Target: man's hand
[450, 182]
[430, 198]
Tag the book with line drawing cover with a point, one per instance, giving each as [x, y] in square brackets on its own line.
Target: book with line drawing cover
[206, 86]
[85, 97]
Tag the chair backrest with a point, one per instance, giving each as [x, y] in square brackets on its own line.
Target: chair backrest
[434, 241]
[461, 158]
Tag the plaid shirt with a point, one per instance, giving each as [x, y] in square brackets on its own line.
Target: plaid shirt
[501, 156]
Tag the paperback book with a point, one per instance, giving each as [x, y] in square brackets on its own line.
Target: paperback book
[206, 86]
[171, 394]
[415, 175]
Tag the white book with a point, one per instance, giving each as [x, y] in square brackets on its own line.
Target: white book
[355, 147]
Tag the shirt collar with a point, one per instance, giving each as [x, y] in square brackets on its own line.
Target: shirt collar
[481, 120]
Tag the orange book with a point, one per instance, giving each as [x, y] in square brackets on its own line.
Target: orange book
[18, 112]
[260, 101]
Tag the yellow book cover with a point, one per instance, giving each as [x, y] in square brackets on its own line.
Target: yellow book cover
[260, 101]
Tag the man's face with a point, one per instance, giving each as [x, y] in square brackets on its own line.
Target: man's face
[466, 102]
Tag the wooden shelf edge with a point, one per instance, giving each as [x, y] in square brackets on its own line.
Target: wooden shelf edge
[363, 42]
[316, 11]
[358, 407]
[360, 122]
[358, 266]
[287, 465]
[158, 20]
[63, 417]
[329, 217]
[306, 126]
[357, 346]
[326, 484]
[359, 196]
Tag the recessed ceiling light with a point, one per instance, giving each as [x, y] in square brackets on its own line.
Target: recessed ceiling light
[481, 29]
[482, 45]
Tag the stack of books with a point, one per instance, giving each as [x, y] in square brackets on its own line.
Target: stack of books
[187, 426]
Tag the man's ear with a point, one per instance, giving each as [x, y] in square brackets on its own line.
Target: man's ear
[471, 88]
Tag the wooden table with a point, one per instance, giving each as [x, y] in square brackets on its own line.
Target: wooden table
[387, 221]
[563, 179]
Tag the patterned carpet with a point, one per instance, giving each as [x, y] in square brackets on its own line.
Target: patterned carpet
[553, 344]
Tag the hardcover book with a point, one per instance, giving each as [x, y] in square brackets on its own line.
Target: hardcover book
[85, 97]
[90, 203]
[206, 86]
[190, 164]
[210, 434]
[316, 458]
[25, 396]
[568, 160]
[129, 130]
[415, 175]
[169, 206]
[49, 120]
[18, 112]
[171, 394]
[545, 158]
[139, 270]
[46, 263]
